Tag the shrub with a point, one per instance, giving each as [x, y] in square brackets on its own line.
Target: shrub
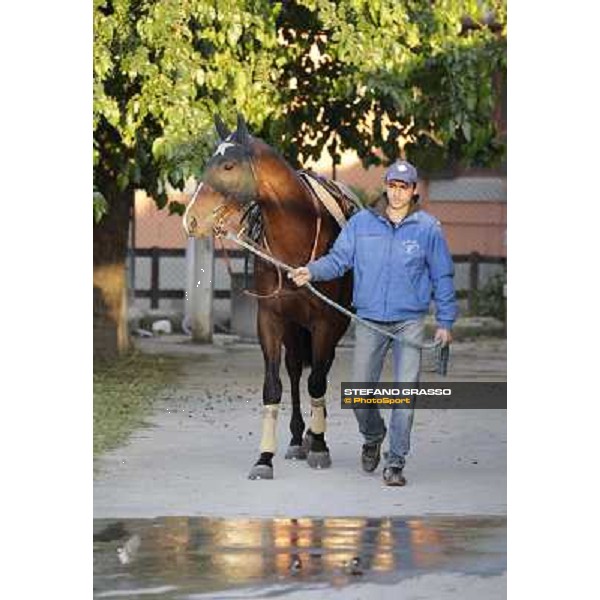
[490, 300]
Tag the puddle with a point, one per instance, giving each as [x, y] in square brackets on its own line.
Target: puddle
[184, 557]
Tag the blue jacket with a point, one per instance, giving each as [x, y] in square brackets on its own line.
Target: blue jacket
[398, 269]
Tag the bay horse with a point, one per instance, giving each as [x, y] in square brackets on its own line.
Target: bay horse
[245, 174]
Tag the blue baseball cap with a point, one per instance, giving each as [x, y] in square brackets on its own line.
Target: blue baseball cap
[402, 171]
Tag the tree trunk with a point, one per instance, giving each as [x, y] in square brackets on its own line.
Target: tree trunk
[111, 337]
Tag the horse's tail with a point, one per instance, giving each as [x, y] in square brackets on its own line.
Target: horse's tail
[305, 345]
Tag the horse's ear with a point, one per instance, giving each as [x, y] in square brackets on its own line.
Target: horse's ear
[221, 128]
[243, 137]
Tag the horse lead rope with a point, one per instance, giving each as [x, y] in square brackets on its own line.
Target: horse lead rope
[285, 267]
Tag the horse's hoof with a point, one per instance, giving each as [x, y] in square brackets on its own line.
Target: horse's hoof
[296, 453]
[319, 460]
[261, 472]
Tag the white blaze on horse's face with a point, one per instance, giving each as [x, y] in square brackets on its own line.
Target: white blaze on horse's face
[187, 210]
[220, 151]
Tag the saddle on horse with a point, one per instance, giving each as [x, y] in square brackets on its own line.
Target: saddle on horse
[338, 198]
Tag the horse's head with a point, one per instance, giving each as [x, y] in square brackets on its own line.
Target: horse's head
[229, 183]
[208, 211]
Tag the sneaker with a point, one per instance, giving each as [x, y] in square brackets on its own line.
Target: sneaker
[371, 455]
[393, 476]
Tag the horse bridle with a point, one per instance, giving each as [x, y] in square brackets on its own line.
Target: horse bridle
[222, 212]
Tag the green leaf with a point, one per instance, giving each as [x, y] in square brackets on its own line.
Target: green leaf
[100, 206]
[466, 129]
[176, 208]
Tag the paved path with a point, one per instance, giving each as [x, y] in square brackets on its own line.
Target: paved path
[203, 438]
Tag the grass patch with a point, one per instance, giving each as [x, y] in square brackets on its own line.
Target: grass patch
[124, 393]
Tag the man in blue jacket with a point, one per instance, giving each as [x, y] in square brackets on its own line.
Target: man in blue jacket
[401, 261]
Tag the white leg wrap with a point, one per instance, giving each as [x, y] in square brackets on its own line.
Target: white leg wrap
[317, 415]
[268, 442]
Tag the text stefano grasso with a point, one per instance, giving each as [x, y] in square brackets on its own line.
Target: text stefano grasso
[396, 391]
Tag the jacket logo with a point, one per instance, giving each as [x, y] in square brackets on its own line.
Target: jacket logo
[410, 246]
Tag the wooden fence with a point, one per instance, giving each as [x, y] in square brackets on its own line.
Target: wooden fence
[475, 260]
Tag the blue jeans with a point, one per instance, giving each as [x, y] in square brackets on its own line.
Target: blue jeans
[369, 354]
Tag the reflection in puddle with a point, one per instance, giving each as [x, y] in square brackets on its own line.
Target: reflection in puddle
[176, 557]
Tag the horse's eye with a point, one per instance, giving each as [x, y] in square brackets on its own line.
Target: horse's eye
[228, 166]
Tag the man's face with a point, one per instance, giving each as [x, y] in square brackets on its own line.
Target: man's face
[399, 193]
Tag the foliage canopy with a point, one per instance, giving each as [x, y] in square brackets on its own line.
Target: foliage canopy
[378, 76]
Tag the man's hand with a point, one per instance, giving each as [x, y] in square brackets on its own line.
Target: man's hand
[300, 276]
[444, 336]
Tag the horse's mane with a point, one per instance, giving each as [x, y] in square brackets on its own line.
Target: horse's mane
[252, 219]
